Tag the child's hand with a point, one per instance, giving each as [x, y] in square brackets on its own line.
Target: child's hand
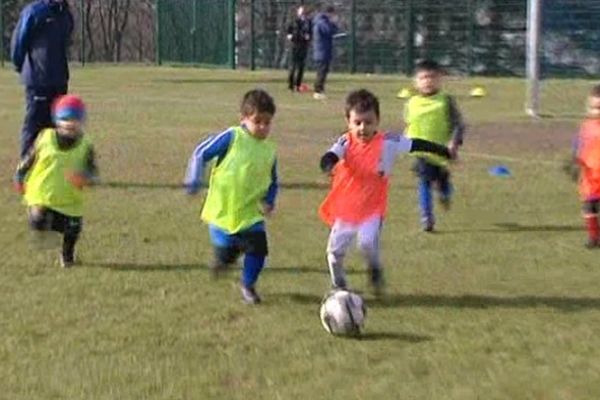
[453, 150]
[266, 209]
[19, 187]
[76, 179]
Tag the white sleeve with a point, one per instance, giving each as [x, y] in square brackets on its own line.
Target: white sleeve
[339, 147]
[394, 144]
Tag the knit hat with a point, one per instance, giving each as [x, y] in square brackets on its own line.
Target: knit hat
[68, 107]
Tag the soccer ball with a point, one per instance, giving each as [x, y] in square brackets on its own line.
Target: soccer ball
[343, 313]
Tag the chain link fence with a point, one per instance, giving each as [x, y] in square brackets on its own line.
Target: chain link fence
[468, 37]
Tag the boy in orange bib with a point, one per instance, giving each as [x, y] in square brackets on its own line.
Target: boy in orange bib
[587, 155]
[360, 163]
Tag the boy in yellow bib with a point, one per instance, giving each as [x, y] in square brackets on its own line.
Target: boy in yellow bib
[242, 189]
[53, 173]
[432, 115]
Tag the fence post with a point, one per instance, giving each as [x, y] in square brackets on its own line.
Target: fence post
[231, 34]
[158, 32]
[534, 27]
[410, 37]
[194, 28]
[82, 33]
[353, 37]
[252, 37]
[1, 34]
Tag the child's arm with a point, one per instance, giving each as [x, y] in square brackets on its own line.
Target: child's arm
[213, 146]
[334, 154]
[396, 144]
[269, 199]
[89, 175]
[23, 169]
[457, 125]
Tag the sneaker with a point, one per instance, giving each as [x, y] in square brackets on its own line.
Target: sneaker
[376, 280]
[319, 96]
[249, 295]
[592, 244]
[66, 262]
[428, 226]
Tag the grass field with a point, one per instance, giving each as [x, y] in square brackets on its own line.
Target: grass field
[501, 303]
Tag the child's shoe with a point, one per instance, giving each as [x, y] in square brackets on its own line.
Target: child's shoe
[66, 261]
[249, 295]
[428, 225]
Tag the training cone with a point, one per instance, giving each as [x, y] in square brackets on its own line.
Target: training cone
[478, 92]
[404, 94]
[501, 171]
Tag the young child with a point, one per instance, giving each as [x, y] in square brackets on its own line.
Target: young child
[53, 173]
[242, 189]
[432, 115]
[360, 164]
[587, 156]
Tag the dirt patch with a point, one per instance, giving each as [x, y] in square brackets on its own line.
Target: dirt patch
[522, 137]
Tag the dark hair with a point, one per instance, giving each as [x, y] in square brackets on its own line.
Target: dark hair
[330, 9]
[428, 65]
[362, 101]
[595, 92]
[257, 101]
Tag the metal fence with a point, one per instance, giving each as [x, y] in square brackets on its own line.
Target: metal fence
[469, 37]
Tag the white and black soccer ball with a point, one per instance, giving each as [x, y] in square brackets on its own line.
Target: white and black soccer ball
[343, 313]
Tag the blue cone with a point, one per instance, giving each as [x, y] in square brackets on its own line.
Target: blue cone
[500, 170]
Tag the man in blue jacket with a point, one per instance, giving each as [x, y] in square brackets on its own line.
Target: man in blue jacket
[324, 30]
[39, 54]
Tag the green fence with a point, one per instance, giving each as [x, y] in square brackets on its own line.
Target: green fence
[468, 37]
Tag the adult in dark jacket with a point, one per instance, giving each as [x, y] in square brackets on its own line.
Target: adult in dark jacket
[39, 53]
[299, 33]
[324, 30]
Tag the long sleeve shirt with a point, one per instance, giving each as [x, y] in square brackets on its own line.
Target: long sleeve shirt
[216, 147]
[394, 145]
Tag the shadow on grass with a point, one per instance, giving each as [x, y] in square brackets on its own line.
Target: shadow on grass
[403, 337]
[483, 302]
[509, 227]
[136, 267]
[514, 227]
[153, 185]
[310, 270]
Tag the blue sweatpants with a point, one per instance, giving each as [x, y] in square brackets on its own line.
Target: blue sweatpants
[430, 174]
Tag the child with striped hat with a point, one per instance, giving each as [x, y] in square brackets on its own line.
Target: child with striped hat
[52, 175]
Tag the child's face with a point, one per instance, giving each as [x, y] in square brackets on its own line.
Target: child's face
[258, 124]
[593, 107]
[69, 127]
[428, 82]
[363, 125]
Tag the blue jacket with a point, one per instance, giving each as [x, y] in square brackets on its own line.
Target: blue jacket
[40, 41]
[323, 31]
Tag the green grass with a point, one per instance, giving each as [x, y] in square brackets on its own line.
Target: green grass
[502, 303]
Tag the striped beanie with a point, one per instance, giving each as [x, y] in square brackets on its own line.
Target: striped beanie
[68, 107]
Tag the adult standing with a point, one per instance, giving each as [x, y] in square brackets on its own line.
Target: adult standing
[299, 33]
[39, 53]
[324, 30]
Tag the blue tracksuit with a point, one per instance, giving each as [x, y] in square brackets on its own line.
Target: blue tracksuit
[39, 54]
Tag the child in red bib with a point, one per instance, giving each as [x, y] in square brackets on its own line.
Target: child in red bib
[587, 155]
[360, 163]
